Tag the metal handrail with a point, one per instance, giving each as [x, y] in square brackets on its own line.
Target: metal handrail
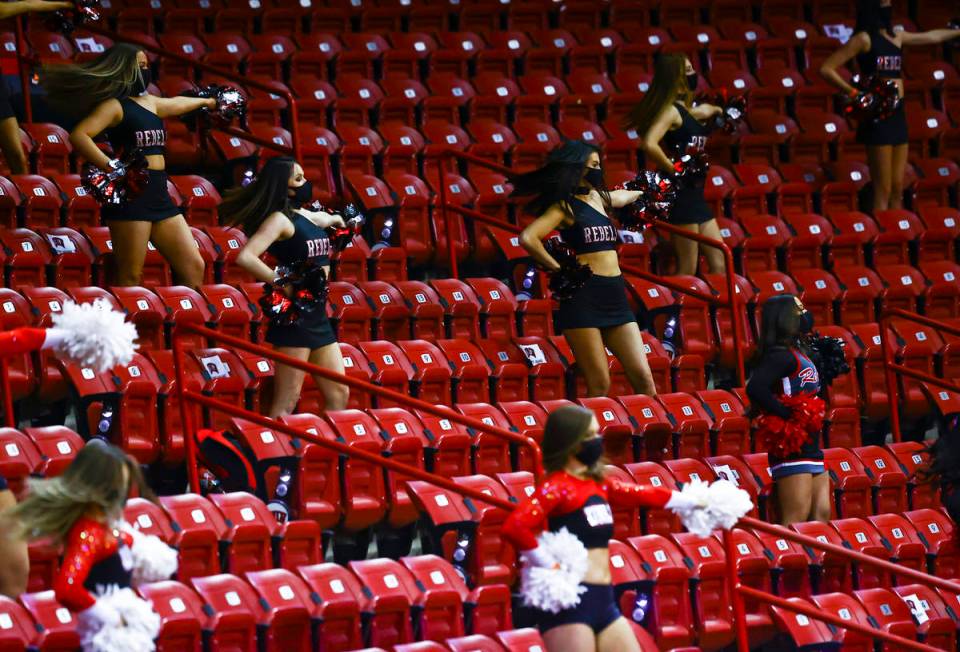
[730, 303]
[891, 368]
[293, 150]
[738, 590]
[397, 397]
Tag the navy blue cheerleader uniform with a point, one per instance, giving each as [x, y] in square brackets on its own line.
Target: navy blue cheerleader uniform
[602, 301]
[690, 207]
[141, 128]
[309, 242]
[787, 372]
[885, 60]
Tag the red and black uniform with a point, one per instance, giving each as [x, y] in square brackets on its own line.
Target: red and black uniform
[96, 556]
[581, 505]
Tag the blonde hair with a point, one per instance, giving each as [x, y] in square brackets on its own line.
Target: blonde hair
[95, 479]
[76, 90]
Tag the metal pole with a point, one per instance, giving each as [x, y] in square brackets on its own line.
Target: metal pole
[22, 67]
[185, 419]
[892, 393]
[448, 225]
[739, 611]
[819, 614]
[9, 419]
[346, 449]
[356, 383]
[733, 300]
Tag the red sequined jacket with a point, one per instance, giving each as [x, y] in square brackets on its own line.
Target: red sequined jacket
[22, 340]
[90, 547]
[562, 495]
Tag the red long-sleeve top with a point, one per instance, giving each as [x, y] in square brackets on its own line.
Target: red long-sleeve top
[87, 544]
[22, 340]
[562, 494]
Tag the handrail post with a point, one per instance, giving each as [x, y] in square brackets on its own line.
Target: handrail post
[733, 301]
[9, 419]
[739, 611]
[22, 69]
[891, 380]
[445, 214]
[186, 422]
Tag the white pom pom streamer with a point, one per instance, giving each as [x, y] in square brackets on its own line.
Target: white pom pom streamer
[139, 627]
[93, 335]
[153, 560]
[550, 579]
[703, 507]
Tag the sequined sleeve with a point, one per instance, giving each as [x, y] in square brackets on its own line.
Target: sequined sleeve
[530, 518]
[630, 494]
[87, 543]
[22, 340]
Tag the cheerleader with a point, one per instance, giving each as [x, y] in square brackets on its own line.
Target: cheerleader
[111, 92]
[13, 550]
[666, 114]
[563, 533]
[103, 557]
[9, 129]
[878, 50]
[269, 210]
[569, 195]
[783, 389]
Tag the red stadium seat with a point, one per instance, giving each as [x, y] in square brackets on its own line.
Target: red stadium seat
[56, 626]
[830, 572]
[931, 614]
[859, 535]
[936, 530]
[284, 613]
[180, 611]
[232, 610]
[847, 607]
[336, 614]
[910, 456]
[900, 537]
[712, 610]
[889, 480]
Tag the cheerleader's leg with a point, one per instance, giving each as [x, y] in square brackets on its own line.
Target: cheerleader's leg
[898, 166]
[618, 637]
[880, 160]
[15, 567]
[820, 507]
[714, 256]
[575, 637]
[795, 496]
[587, 346]
[287, 382]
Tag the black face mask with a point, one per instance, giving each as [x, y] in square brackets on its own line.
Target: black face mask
[303, 194]
[141, 83]
[806, 321]
[692, 79]
[594, 176]
[590, 451]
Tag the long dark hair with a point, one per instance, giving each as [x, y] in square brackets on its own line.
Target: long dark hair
[558, 180]
[943, 466]
[564, 432]
[247, 207]
[871, 20]
[93, 480]
[76, 89]
[669, 83]
[779, 323]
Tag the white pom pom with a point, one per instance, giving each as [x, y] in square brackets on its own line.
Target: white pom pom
[702, 508]
[139, 628]
[153, 560]
[553, 583]
[94, 335]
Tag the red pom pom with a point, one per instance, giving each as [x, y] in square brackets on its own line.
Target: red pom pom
[783, 437]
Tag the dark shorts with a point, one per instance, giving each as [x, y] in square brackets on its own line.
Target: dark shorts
[6, 108]
[892, 131]
[152, 205]
[600, 303]
[808, 460]
[313, 331]
[598, 609]
[690, 207]
[3, 484]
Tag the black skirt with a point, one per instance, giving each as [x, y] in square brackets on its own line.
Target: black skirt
[690, 207]
[311, 331]
[600, 303]
[892, 131]
[152, 205]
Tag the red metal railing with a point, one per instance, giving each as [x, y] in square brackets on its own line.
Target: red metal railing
[93, 28]
[739, 590]
[355, 383]
[731, 302]
[891, 368]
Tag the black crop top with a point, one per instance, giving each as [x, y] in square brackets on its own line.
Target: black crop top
[884, 59]
[308, 242]
[139, 128]
[592, 523]
[689, 134]
[591, 231]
